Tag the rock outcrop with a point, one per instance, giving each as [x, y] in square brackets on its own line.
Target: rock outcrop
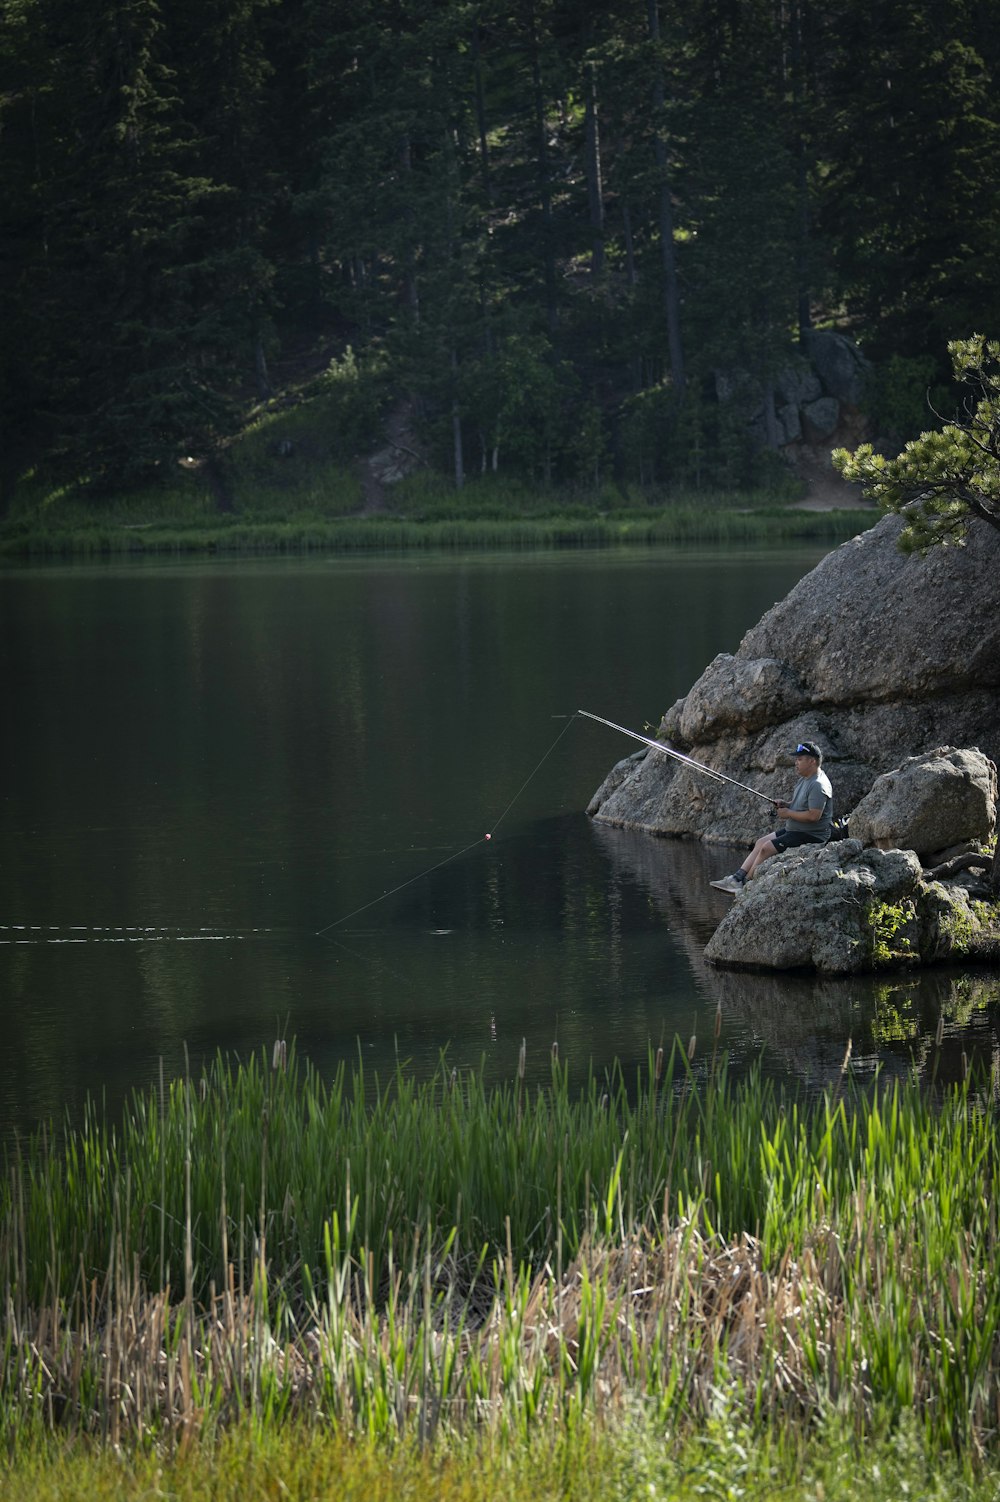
[816, 397]
[802, 1017]
[930, 804]
[876, 655]
[843, 909]
[842, 369]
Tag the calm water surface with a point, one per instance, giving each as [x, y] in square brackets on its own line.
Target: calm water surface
[247, 800]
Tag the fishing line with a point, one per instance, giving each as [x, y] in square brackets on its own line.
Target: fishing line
[91, 933]
[456, 854]
[158, 933]
[367, 960]
[530, 778]
[402, 885]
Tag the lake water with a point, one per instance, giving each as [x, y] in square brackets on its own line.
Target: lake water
[248, 800]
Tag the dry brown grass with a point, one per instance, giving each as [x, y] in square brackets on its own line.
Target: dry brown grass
[677, 1319]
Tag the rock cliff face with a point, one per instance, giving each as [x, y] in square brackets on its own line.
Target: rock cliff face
[818, 395]
[875, 655]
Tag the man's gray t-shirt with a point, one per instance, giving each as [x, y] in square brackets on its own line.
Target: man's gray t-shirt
[813, 792]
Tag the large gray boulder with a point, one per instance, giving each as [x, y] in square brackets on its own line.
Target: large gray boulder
[804, 1016]
[843, 909]
[930, 803]
[739, 694]
[798, 384]
[876, 655]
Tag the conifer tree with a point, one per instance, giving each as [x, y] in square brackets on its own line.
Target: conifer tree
[948, 475]
[912, 194]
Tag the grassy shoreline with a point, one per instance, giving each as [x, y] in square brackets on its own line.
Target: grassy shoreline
[240, 537]
[317, 507]
[438, 1263]
[295, 479]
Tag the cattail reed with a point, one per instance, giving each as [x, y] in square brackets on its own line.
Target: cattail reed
[436, 1258]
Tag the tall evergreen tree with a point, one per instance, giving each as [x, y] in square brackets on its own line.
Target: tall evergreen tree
[26, 112]
[216, 50]
[912, 199]
[126, 292]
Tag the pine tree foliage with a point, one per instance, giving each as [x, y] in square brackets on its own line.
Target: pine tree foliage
[947, 476]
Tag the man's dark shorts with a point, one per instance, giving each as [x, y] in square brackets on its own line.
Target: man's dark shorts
[787, 839]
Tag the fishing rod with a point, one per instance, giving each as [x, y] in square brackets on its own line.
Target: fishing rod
[687, 761]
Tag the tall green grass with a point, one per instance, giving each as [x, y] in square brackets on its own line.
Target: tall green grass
[426, 1259]
[250, 535]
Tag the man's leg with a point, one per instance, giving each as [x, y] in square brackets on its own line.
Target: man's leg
[763, 849]
[761, 852]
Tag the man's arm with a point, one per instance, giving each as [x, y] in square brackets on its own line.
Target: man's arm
[801, 816]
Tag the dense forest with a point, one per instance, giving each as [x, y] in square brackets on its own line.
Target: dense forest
[546, 225]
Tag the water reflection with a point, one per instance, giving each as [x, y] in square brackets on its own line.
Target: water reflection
[204, 767]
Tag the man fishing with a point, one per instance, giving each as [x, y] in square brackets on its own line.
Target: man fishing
[807, 818]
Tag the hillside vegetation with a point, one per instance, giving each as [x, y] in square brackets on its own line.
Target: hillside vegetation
[544, 238]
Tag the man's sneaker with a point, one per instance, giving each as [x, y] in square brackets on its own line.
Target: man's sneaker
[731, 884]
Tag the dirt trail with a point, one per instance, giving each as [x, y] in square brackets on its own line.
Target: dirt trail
[826, 490]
